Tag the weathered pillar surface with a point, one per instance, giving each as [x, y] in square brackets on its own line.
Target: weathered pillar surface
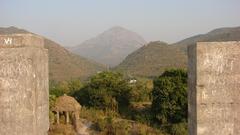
[67, 117]
[214, 88]
[23, 85]
[57, 117]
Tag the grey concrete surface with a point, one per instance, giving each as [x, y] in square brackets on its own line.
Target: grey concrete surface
[214, 88]
[24, 108]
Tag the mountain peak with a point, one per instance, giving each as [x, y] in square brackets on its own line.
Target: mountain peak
[111, 46]
[118, 31]
[117, 28]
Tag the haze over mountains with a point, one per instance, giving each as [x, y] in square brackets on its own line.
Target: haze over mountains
[152, 59]
[63, 65]
[111, 46]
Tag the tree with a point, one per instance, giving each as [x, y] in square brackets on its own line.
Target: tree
[106, 90]
[74, 85]
[140, 92]
[64, 87]
[169, 95]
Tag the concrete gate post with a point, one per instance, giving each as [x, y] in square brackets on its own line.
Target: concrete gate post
[214, 88]
[23, 85]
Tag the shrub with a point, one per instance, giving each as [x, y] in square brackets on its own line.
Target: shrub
[64, 87]
[140, 92]
[178, 129]
[169, 95]
[106, 90]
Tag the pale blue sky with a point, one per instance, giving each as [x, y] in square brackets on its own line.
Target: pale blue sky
[70, 22]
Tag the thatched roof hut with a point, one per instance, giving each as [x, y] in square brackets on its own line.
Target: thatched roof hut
[66, 104]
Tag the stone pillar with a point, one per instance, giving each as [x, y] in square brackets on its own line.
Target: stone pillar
[67, 117]
[214, 88]
[57, 117]
[23, 85]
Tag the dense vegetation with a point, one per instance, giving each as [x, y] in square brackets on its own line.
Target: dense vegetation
[118, 106]
[169, 97]
[169, 104]
[106, 90]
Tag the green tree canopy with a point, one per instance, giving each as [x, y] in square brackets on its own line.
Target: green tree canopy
[106, 90]
[169, 95]
[64, 87]
[140, 92]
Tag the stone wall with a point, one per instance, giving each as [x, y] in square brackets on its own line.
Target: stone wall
[23, 85]
[214, 88]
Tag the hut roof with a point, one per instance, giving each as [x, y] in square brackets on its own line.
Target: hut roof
[66, 103]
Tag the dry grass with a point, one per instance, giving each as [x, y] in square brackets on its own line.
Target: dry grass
[62, 129]
[66, 103]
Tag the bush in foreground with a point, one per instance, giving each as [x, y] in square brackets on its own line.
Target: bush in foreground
[106, 90]
[169, 95]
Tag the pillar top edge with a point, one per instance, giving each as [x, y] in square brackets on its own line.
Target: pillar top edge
[21, 40]
[215, 43]
[223, 42]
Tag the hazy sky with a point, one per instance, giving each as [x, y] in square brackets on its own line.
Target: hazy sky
[70, 22]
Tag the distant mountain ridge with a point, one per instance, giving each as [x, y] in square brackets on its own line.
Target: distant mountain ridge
[152, 59]
[220, 34]
[148, 61]
[63, 65]
[111, 46]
